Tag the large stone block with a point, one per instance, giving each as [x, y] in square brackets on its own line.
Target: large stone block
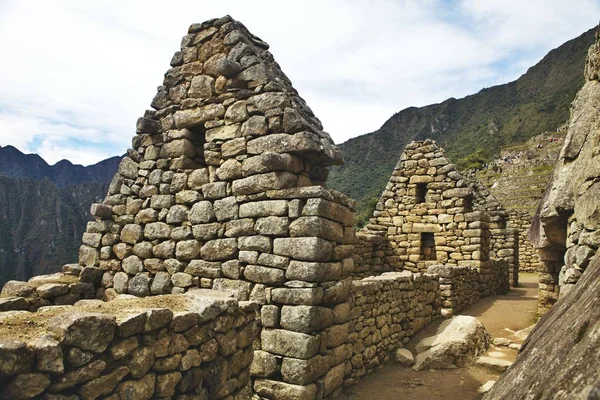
[328, 209]
[88, 331]
[302, 372]
[263, 182]
[306, 319]
[195, 116]
[303, 248]
[266, 275]
[263, 208]
[290, 344]
[317, 226]
[301, 142]
[219, 249]
[313, 271]
[281, 390]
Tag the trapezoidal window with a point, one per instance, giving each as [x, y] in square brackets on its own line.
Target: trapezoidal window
[428, 247]
[198, 139]
[420, 193]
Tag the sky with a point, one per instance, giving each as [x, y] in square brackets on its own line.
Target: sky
[75, 75]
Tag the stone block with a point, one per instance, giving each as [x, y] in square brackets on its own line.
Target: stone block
[290, 344]
[303, 248]
[313, 271]
[263, 182]
[266, 275]
[317, 226]
[305, 319]
[263, 208]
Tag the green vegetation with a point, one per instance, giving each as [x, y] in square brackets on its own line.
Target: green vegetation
[472, 129]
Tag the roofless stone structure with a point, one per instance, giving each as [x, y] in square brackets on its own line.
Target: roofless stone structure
[223, 191]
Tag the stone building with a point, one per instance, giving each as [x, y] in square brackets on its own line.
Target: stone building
[223, 191]
[566, 228]
[430, 214]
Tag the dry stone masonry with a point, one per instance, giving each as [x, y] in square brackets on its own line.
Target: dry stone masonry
[430, 214]
[529, 259]
[198, 344]
[566, 228]
[223, 190]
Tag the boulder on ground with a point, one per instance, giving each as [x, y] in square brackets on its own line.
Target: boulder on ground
[405, 357]
[458, 342]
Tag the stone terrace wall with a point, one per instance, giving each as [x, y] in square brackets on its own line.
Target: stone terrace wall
[529, 259]
[385, 312]
[198, 344]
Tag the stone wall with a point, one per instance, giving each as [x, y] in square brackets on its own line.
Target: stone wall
[432, 214]
[373, 255]
[566, 228]
[529, 259]
[459, 287]
[198, 344]
[505, 246]
[385, 311]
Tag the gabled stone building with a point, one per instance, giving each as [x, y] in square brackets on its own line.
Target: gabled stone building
[430, 214]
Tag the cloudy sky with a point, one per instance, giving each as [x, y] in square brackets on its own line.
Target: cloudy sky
[75, 75]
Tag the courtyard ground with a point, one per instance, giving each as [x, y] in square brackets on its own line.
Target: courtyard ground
[501, 315]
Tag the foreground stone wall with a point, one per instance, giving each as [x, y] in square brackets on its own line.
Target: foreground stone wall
[198, 344]
[529, 259]
[385, 312]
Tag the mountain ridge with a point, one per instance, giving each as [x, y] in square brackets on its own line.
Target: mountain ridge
[488, 120]
[14, 163]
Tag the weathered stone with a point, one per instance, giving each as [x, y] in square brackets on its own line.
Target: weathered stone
[88, 372]
[87, 331]
[317, 226]
[302, 372]
[303, 248]
[266, 275]
[132, 265]
[15, 358]
[263, 182]
[187, 249]
[219, 249]
[459, 341]
[263, 208]
[142, 389]
[196, 116]
[290, 344]
[161, 284]
[157, 230]
[404, 357]
[103, 385]
[139, 285]
[313, 271]
[25, 386]
[272, 389]
[305, 319]
[202, 212]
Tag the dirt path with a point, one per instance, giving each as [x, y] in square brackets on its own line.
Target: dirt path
[501, 316]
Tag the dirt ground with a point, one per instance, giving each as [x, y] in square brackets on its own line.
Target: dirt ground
[501, 316]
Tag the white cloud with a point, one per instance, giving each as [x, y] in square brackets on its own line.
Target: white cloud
[76, 75]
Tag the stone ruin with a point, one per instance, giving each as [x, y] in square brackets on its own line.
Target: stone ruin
[223, 191]
[529, 259]
[566, 228]
[432, 218]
